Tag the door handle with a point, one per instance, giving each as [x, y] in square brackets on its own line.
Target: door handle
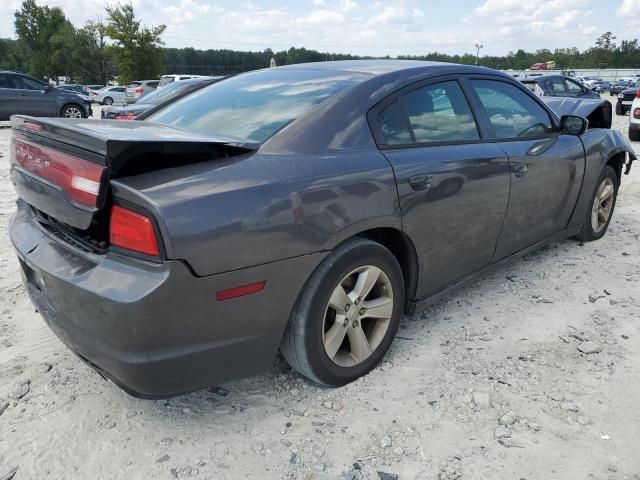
[519, 169]
[420, 182]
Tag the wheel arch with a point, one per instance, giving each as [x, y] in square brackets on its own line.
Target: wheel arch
[402, 247]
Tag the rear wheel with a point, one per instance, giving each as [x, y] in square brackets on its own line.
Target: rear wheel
[72, 111]
[603, 201]
[347, 314]
[619, 109]
[634, 135]
[108, 101]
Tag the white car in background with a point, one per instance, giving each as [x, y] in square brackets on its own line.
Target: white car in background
[167, 79]
[110, 95]
[634, 120]
[139, 88]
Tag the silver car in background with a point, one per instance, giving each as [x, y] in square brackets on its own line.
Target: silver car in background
[109, 95]
[139, 88]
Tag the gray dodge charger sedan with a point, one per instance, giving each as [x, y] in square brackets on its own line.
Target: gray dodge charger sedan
[300, 209]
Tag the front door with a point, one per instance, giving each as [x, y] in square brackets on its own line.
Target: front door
[453, 188]
[34, 97]
[546, 167]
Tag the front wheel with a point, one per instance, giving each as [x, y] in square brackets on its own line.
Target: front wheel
[603, 201]
[72, 111]
[347, 314]
[634, 135]
[619, 109]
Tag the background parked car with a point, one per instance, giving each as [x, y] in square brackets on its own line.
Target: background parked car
[22, 94]
[77, 89]
[619, 86]
[173, 90]
[167, 79]
[600, 86]
[558, 86]
[590, 80]
[634, 120]
[626, 98]
[88, 89]
[110, 95]
[139, 89]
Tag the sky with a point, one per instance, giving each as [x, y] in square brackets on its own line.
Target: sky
[392, 27]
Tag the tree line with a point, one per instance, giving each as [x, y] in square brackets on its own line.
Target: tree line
[49, 46]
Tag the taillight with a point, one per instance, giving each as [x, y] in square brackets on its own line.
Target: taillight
[126, 117]
[636, 113]
[78, 178]
[139, 89]
[94, 93]
[133, 231]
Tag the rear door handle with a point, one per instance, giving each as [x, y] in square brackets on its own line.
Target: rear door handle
[420, 182]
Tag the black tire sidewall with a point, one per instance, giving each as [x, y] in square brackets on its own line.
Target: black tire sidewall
[588, 233]
[70, 105]
[108, 101]
[314, 302]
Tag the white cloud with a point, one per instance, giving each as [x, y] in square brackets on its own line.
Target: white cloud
[629, 8]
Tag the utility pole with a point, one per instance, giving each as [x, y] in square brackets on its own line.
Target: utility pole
[478, 47]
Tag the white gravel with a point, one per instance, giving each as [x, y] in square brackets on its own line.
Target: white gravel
[487, 384]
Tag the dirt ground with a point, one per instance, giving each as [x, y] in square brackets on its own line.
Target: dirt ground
[488, 384]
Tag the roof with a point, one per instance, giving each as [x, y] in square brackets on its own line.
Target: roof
[379, 67]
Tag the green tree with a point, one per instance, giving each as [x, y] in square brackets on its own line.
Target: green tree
[136, 49]
[47, 34]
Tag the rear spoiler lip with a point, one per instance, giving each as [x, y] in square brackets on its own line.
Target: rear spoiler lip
[109, 138]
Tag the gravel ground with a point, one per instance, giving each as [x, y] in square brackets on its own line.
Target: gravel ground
[490, 383]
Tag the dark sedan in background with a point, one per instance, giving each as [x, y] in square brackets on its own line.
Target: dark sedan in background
[22, 94]
[619, 86]
[626, 97]
[558, 86]
[155, 98]
[303, 208]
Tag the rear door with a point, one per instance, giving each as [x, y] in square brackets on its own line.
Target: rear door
[546, 166]
[453, 185]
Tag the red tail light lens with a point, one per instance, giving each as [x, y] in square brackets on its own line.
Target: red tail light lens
[139, 89]
[636, 113]
[125, 117]
[94, 93]
[78, 178]
[133, 231]
[638, 93]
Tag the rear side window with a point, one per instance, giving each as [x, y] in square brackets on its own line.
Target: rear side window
[153, 84]
[512, 113]
[440, 113]
[6, 81]
[393, 125]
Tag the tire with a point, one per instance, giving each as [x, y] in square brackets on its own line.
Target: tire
[305, 344]
[619, 109]
[107, 101]
[634, 135]
[72, 110]
[590, 231]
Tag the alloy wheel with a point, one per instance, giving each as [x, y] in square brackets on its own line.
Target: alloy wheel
[72, 112]
[357, 316]
[602, 205]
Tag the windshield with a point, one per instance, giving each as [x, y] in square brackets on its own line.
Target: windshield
[161, 94]
[254, 106]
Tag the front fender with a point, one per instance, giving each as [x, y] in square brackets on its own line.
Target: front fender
[600, 146]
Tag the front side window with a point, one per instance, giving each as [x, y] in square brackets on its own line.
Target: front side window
[254, 106]
[512, 113]
[31, 84]
[556, 85]
[573, 87]
[440, 113]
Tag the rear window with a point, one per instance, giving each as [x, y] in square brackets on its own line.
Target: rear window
[254, 106]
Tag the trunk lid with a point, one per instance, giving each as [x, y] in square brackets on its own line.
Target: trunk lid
[63, 167]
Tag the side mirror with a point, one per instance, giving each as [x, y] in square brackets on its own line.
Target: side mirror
[46, 88]
[573, 125]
